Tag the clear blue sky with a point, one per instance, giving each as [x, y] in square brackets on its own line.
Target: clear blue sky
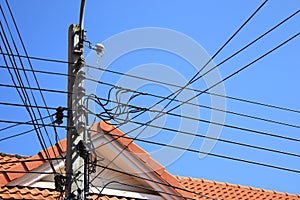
[273, 80]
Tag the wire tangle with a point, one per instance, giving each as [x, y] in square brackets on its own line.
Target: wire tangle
[122, 109]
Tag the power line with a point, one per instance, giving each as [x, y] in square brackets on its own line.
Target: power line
[201, 120]
[31, 123]
[38, 71]
[17, 135]
[176, 100]
[195, 78]
[24, 99]
[220, 139]
[170, 113]
[30, 160]
[198, 105]
[21, 105]
[8, 127]
[27, 172]
[18, 76]
[31, 67]
[230, 126]
[203, 152]
[233, 74]
[226, 78]
[38, 58]
[32, 88]
[159, 96]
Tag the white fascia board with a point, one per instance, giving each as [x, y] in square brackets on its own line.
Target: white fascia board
[32, 178]
[123, 193]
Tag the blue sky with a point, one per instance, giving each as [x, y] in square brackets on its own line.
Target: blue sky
[273, 80]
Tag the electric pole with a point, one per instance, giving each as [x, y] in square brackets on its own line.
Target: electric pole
[76, 184]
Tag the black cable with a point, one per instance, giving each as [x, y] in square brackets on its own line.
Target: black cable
[201, 106]
[240, 70]
[206, 121]
[194, 78]
[32, 88]
[27, 172]
[203, 152]
[39, 71]
[31, 67]
[249, 44]
[31, 123]
[159, 96]
[17, 74]
[25, 132]
[30, 160]
[38, 58]
[226, 78]
[218, 139]
[191, 89]
[170, 113]
[223, 140]
[8, 127]
[24, 98]
[21, 105]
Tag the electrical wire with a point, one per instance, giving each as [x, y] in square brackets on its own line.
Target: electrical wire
[170, 113]
[30, 160]
[21, 105]
[39, 71]
[176, 100]
[24, 98]
[202, 152]
[201, 120]
[38, 58]
[199, 105]
[31, 123]
[219, 139]
[27, 172]
[12, 126]
[226, 78]
[31, 67]
[32, 88]
[229, 126]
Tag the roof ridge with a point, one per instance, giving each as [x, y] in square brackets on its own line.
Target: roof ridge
[13, 155]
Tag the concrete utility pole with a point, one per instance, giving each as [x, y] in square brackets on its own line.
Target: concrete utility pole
[76, 185]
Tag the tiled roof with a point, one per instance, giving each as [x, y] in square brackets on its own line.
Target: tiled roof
[217, 190]
[7, 160]
[27, 193]
[225, 191]
[22, 167]
[20, 192]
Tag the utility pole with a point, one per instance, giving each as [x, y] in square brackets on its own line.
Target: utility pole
[76, 184]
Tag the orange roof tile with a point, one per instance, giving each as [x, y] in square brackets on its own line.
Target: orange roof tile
[4, 158]
[225, 191]
[217, 190]
[20, 192]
